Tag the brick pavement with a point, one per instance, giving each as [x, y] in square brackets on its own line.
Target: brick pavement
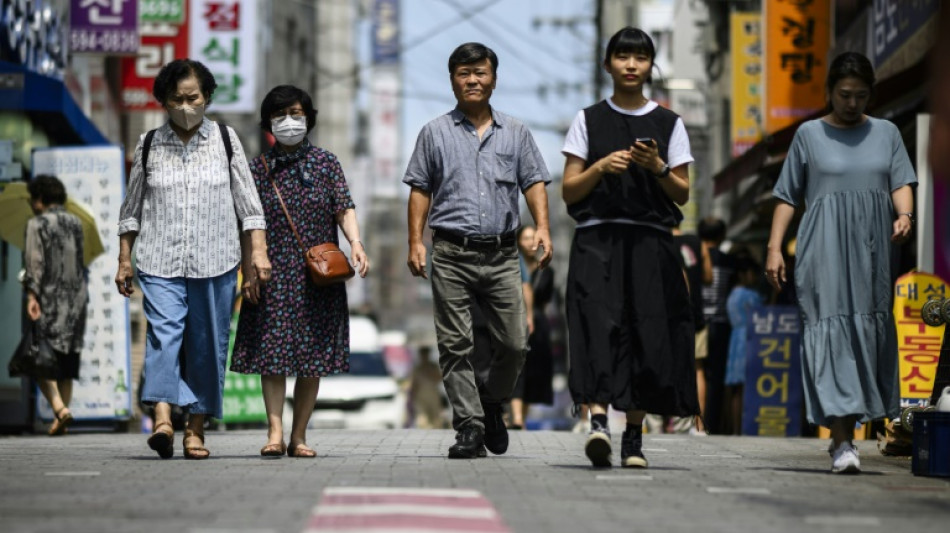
[113, 483]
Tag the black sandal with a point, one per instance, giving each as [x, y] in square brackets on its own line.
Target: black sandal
[62, 421]
[162, 441]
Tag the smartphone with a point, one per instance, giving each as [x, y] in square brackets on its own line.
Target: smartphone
[646, 140]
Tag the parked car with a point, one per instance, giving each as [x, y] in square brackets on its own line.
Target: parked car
[368, 397]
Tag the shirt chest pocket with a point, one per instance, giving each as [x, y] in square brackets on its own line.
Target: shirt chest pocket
[505, 171]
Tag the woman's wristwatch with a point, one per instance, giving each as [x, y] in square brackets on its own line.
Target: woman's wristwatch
[664, 172]
[909, 215]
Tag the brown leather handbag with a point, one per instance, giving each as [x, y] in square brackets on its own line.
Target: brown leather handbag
[326, 263]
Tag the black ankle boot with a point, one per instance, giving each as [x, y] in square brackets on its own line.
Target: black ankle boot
[468, 443]
[496, 434]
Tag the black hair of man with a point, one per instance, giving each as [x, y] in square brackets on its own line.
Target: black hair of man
[469, 53]
[850, 65]
[711, 229]
[282, 97]
[166, 83]
[630, 40]
[47, 189]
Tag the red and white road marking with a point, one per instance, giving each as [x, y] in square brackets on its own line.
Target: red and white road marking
[398, 509]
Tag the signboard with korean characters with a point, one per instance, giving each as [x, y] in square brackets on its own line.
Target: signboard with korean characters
[746, 33]
[223, 36]
[157, 11]
[918, 344]
[162, 42]
[95, 175]
[772, 395]
[104, 26]
[797, 37]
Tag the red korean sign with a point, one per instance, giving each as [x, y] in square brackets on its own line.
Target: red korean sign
[161, 44]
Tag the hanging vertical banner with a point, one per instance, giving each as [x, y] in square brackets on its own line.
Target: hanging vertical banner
[223, 36]
[95, 175]
[797, 40]
[772, 395]
[746, 38]
[918, 345]
[104, 26]
[162, 42]
[385, 86]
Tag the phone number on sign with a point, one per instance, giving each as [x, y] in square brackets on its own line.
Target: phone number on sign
[106, 41]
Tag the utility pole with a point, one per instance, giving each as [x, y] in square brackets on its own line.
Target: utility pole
[599, 38]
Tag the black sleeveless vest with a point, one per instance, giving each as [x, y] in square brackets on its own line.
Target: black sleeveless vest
[636, 194]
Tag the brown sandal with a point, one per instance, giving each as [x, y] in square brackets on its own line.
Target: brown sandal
[300, 449]
[274, 450]
[61, 422]
[163, 441]
[195, 452]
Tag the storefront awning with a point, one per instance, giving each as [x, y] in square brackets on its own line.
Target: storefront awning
[47, 101]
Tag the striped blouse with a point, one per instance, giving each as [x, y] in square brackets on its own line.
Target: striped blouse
[189, 209]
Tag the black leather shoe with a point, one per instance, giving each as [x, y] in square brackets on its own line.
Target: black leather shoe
[468, 443]
[496, 434]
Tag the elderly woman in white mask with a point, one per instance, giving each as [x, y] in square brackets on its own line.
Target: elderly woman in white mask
[189, 207]
[294, 328]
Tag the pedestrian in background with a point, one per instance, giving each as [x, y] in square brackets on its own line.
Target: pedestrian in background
[852, 176]
[466, 172]
[535, 382]
[718, 280]
[56, 290]
[292, 327]
[187, 213]
[628, 308]
[743, 299]
[695, 263]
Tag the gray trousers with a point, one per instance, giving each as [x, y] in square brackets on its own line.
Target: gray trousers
[460, 277]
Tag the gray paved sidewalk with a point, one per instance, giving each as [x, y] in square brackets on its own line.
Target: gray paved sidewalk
[114, 483]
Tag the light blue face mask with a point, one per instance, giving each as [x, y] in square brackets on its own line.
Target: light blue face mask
[289, 130]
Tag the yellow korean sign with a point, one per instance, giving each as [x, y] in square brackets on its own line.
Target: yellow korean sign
[918, 344]
[746, 36]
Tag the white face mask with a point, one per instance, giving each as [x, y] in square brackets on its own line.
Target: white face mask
[186, 116]
[289, 130]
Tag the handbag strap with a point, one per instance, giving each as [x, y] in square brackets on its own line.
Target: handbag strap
[282, 205]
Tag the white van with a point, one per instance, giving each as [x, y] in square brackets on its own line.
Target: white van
[368, 397]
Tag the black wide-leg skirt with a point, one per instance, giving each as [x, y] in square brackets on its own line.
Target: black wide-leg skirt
[631, 329]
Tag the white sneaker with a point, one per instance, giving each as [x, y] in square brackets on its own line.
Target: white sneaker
[845, 460]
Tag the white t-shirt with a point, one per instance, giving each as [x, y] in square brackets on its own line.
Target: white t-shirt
[576, 144]
[678, 152]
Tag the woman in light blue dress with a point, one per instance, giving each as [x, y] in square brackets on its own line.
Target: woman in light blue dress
[852, 176]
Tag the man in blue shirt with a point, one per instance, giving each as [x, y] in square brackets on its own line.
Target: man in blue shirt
[466, 172]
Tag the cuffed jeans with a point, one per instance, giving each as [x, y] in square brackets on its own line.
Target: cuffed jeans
[461, 276]
[186, 348]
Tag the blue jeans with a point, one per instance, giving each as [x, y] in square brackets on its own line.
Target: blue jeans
[186, 346]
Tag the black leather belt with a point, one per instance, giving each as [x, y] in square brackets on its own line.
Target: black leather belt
[477, 242]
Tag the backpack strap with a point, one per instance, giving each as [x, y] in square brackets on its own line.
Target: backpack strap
[227, 143]
[146, 146]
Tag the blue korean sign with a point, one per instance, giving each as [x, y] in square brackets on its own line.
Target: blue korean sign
[772, 396]
[104, 26]
[386, 32]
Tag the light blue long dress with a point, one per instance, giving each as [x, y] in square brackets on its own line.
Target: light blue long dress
[843, 177]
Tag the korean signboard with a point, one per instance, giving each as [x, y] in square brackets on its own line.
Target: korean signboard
[104, 26]
[170, 11]
[772, 395]
[95, 176]
[918, 345]
[901, 33]
[162, 42]
[797, 39]
[223, 36]
[386, 32]
[746, 34]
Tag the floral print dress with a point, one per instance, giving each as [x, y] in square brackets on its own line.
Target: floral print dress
[297, 329]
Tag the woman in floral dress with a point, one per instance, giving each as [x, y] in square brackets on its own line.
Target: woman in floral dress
[292, 327]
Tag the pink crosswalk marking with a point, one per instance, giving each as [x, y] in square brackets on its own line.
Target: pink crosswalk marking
[394, 509]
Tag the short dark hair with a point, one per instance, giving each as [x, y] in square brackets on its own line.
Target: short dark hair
[631, 40]
[284, 96]
[711, 229]
[469, 53]
[47, 189]
[850, 65]
[167, 80]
